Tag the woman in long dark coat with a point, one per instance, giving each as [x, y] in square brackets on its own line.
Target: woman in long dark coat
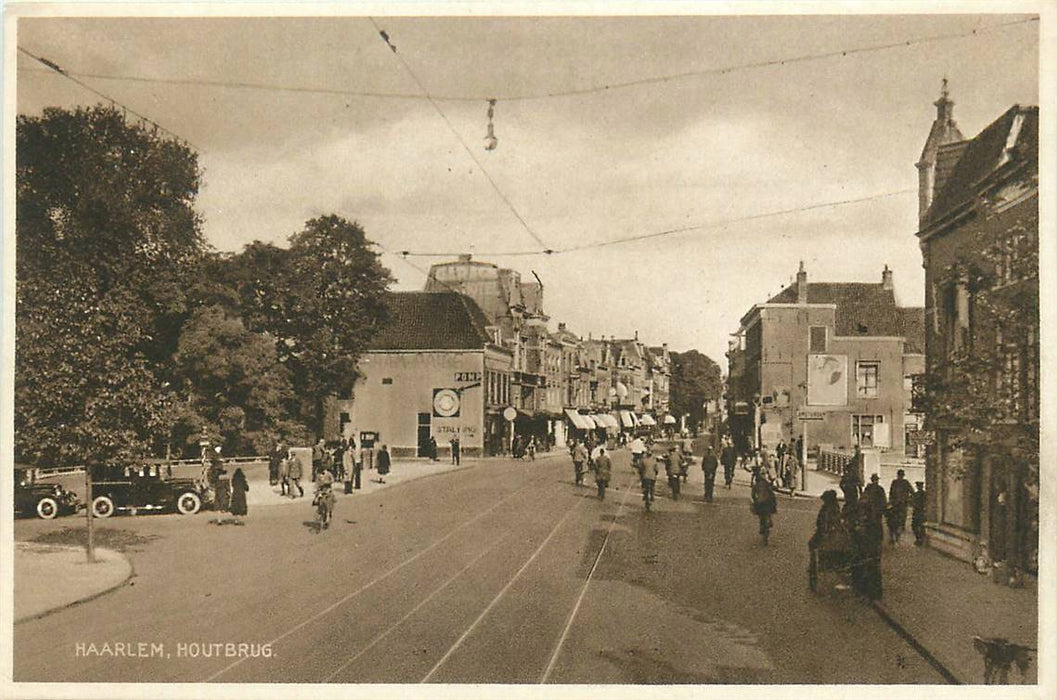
[239, 487]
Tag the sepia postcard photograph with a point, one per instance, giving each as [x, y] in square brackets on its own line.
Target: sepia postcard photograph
[470, 350]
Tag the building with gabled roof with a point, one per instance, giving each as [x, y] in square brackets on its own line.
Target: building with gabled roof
[979, 238]
[434, 370]
[842, 350]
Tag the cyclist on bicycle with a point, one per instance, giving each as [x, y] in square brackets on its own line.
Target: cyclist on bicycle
[648, 474]
[324, 499]
[764, 502]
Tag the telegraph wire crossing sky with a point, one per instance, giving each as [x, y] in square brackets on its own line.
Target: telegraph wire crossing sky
[631, 172]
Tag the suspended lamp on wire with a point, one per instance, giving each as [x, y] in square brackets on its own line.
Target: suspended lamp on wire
[490, 141]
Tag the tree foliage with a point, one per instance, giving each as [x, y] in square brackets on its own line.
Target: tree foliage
[696, 378]
[106, 243]
[322, 300]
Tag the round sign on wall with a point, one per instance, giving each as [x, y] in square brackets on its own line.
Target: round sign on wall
[446, 403]
[510, 413]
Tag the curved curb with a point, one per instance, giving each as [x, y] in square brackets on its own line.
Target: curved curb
[89, 597]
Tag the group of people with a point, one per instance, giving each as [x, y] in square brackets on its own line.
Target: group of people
[861, 523]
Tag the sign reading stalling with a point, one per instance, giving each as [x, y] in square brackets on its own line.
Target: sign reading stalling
[804, 414]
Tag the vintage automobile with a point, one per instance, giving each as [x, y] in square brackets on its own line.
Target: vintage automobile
[45, 500]
[144, 486]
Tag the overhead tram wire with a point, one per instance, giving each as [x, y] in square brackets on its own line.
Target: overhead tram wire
[458, 136]
[54, 67]
[668, 232]
[609, 87]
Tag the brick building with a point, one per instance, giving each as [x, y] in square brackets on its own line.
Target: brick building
[846, 350]
[978, 234]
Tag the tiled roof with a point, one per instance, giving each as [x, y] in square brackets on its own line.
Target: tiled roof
[914, 329]
[432, 321]
[863, 308]
[983, 154]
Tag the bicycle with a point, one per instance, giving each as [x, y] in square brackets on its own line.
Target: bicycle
[324, 503]
[647, 492]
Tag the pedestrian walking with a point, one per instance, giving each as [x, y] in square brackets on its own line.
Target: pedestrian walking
[671, 470]
[384, 462]
[899, 494]
[729, 458]
[432, 448]
[874, 504]
[709, 465]
[275, 457]
[348, 465]
[764, 503]
[579, 460]
[648, 472]
[603, 469]
[866, 550]
[295, 470]
[792, 468]
[317, 457]
[455, 456]
[239, 489]
[917, 519]
[638, 449]
[849, 483]
[284, 476]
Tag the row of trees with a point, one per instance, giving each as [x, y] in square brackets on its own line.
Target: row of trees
[133, 335]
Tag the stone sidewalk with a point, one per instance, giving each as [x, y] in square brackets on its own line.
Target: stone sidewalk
[51, 577]
[262, 493]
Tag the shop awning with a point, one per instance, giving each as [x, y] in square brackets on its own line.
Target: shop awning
[609, 420]
[670, 420]
[647, 419]
[576, 419]
[628, 419]
[589, 424]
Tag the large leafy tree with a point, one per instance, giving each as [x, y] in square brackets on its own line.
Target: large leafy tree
[696, 378]
[107, 243]
[322, 299]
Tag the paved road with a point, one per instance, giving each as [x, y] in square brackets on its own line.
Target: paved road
[502, 573]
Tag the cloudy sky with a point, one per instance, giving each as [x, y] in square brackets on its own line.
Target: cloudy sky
[686, 146]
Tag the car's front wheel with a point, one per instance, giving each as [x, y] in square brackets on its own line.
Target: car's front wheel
[47, 508]
[102, 507]
[188, 503]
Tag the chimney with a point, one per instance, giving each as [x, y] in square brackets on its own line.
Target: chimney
[636, 335]
[886, 279]
[801, 284]
[465, 257]
[561, 326]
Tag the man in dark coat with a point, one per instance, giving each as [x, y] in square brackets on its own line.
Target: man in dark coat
[874, 503]
[849, 483]
[729, 458]
[709, 465]
[899, 494]
[917, 519]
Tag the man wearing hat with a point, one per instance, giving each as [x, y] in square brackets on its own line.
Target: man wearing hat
[899, 494]
[917, 519]
[874, 502]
